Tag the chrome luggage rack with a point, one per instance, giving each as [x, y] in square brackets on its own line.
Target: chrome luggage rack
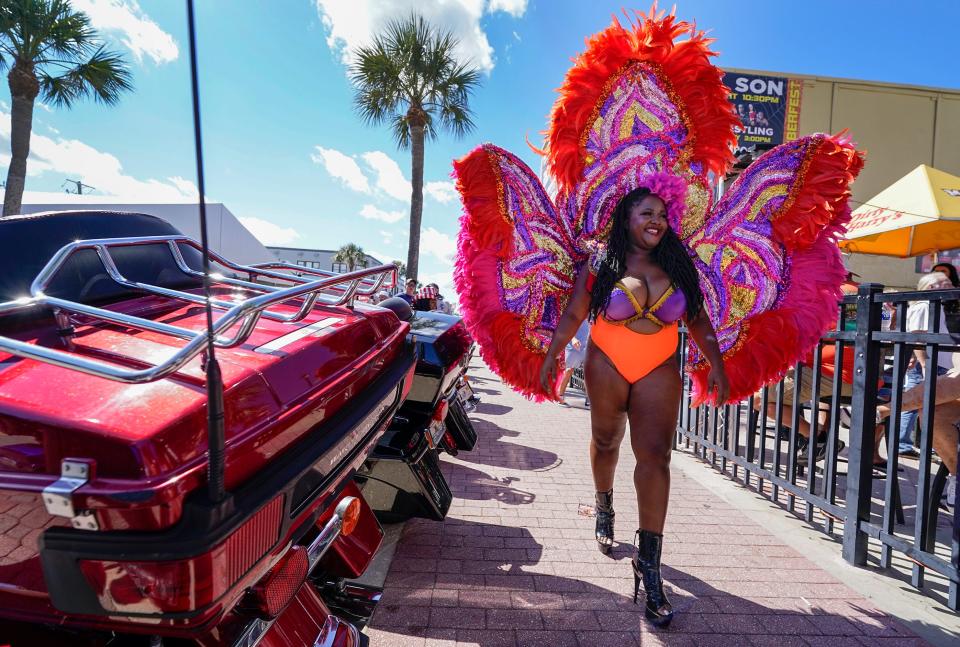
[330, 290]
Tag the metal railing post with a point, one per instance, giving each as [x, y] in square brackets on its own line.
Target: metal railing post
[866, 353]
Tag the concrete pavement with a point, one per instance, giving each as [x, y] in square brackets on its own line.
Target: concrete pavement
[515, 562]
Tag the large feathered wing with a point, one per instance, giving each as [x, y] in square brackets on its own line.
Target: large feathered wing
[769, 263]
[516, 264]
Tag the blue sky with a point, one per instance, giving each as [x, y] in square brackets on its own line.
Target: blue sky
[285, 151]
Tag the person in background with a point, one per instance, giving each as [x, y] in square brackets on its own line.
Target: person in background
[442, 304]
[425, 299]
[576, 353]
[918, 321]
[411, 290]
[950, 271]
[952, 307]
[946, 415]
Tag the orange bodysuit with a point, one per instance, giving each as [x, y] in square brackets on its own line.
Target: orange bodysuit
[635, 354]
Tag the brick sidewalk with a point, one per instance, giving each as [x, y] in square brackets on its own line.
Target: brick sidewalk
[515, 563]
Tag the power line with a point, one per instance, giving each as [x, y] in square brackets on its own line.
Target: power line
[80, 186]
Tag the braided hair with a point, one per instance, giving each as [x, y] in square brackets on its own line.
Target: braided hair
[669, 254]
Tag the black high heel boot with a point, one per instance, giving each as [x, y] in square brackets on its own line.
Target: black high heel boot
[605, 517]
[646, 568]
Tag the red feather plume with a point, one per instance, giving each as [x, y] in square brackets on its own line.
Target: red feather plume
[695, 82]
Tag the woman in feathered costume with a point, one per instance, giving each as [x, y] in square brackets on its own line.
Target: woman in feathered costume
[632, 242]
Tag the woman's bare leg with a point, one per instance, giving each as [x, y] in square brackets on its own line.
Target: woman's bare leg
[608, 393]
[653, 407]
[564, 382]
[945, 433]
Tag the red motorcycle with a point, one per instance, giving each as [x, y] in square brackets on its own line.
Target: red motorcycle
[117, 525]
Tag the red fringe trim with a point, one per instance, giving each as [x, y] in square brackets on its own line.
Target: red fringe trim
[685, 66]
[485, 235]
[821, 193]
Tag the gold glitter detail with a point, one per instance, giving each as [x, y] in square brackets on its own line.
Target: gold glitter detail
[706, 251]
[765, 196]
[742, 301]
[634, 112]
[728, 256]
[494, 159]
[798, 182]
[695, 211]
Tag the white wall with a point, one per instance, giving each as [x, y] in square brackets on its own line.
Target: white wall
[228, 236]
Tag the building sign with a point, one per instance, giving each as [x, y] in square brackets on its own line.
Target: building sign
[768, 106]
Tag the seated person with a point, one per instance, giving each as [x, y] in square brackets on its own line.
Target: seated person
[827, 371]
[411, 290]
[945, 417]
[917, 321]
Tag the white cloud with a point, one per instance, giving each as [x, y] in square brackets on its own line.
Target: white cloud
[75, 159]
[343, 167]
[370, 212]
[387, 236]
[350, 25]
[385, 178]
[390, 178]
[439, 244]
[442, 192]
[515, 8]
[125, 20]
[269, 233]
[383, 257]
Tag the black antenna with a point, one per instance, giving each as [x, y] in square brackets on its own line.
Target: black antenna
[215, 433]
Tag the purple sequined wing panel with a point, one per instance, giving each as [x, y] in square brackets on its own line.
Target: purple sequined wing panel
[635, 132]
[536, 280]
[744, 270]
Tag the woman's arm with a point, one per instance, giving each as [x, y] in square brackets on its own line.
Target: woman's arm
[573, 315]
[703, 333]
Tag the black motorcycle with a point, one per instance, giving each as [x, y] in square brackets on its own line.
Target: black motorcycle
[402, 478]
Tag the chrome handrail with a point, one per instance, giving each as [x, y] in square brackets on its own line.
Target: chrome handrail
[318, 272]
[243, 314]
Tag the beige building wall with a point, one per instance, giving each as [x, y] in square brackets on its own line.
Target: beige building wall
[899, 127]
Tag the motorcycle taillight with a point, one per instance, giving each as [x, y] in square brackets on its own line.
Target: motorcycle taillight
[271, 595]
[453, 344]
[178, 586]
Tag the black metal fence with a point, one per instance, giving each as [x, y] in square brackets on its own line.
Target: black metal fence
[793, 449]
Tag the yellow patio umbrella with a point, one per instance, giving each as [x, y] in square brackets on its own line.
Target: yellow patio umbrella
[917, 214]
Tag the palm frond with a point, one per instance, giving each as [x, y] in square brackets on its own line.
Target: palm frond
[104, 76]
[411, 68]
[69, 37]
[401, 131]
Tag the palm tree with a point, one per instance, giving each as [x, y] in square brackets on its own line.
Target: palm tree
[51, 51]
[410, 77]
[352, 255]
[401, 269]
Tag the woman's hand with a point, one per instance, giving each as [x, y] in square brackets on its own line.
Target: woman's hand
[548, 375]
[717, 382]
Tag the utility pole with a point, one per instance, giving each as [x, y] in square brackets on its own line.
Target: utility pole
[76, 187]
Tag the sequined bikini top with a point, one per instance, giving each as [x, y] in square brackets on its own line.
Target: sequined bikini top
[623, 308]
